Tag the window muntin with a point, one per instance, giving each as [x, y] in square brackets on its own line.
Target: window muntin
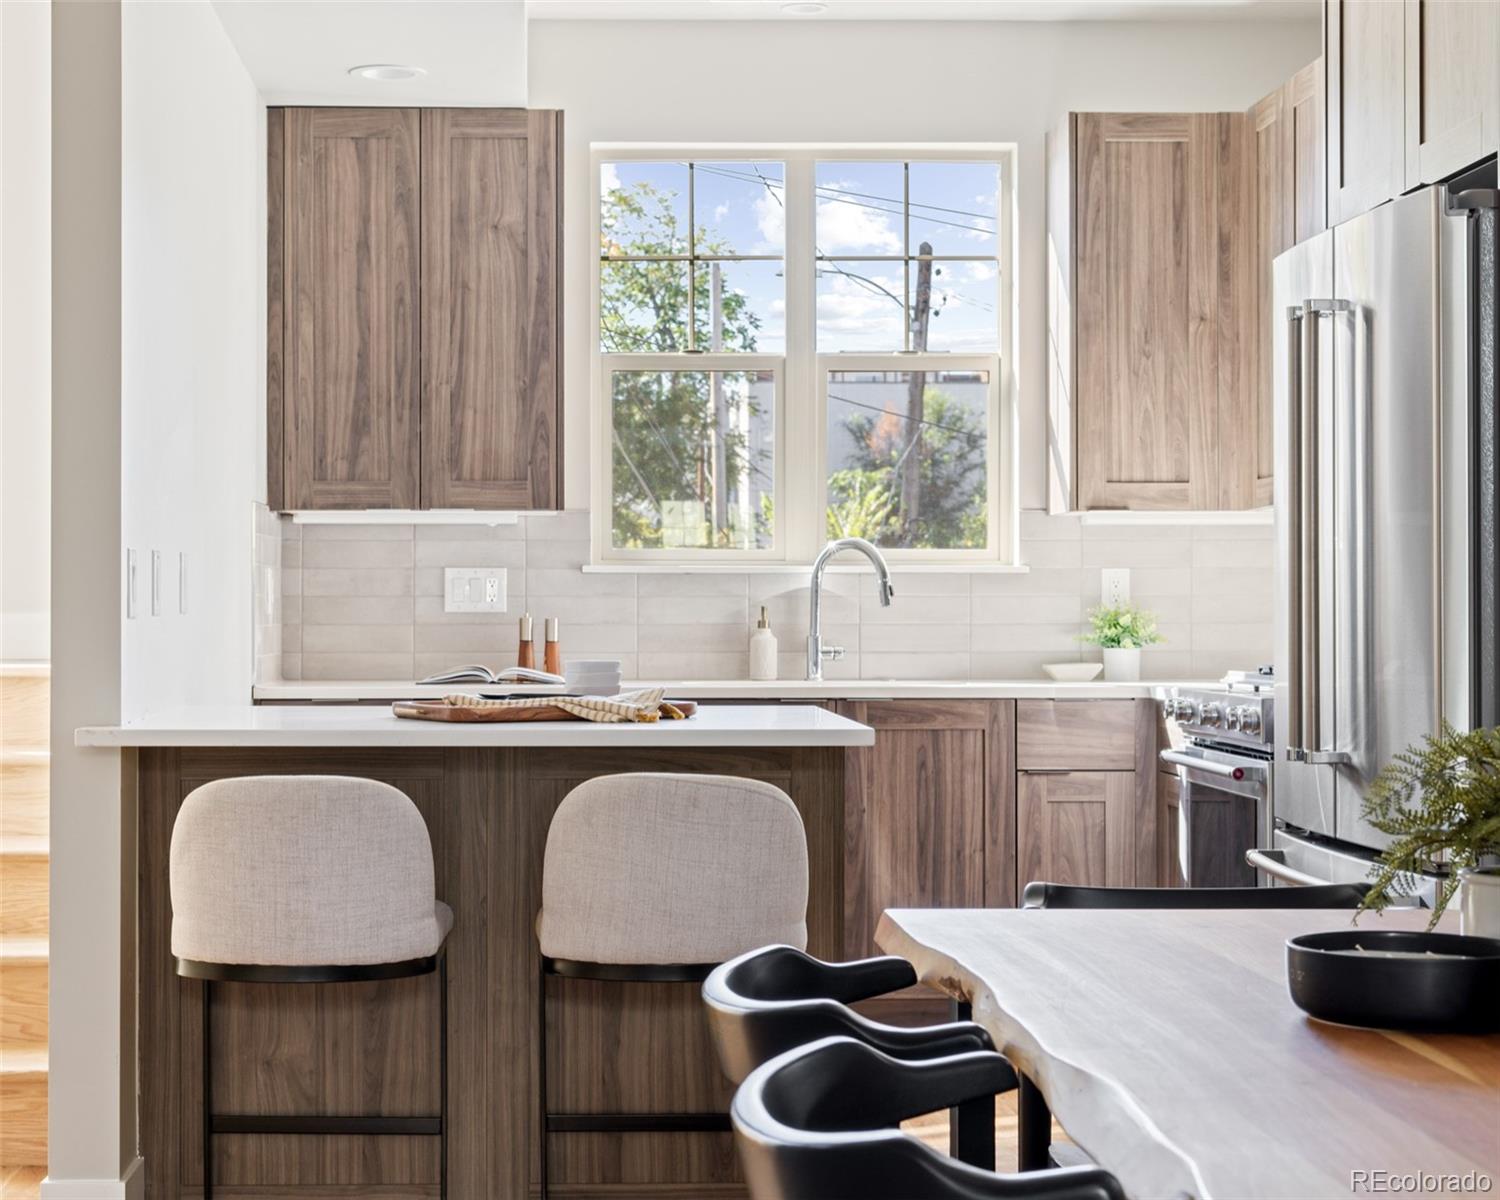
[908, 457]
[815, 327]
[908, 256]
[693, 459]
[691, 257]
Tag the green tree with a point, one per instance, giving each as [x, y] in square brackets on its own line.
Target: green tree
[950, 459]
[664, 424]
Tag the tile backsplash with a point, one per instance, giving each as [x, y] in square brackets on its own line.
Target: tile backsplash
[366, 602]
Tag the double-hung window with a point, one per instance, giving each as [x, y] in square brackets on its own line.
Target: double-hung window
[796, 344]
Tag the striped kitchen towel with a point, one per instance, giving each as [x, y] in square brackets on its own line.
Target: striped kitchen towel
[643, 705]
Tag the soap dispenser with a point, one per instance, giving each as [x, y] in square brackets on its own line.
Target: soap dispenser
[763, 648]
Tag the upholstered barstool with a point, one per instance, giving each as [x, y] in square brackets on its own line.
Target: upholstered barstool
[659, 878]
[306, 879]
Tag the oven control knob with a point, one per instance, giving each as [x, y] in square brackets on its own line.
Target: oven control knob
[1167, 709]
[1212, 715]
[1232, 717]
[1250, 719]
[1185, 711]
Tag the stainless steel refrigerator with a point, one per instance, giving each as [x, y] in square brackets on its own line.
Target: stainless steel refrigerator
[1386, 498]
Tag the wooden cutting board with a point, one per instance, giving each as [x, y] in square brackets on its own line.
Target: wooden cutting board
[436, 710]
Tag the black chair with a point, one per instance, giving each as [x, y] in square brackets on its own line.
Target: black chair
[819, 1123]
[1065, 895]
[772, 1000]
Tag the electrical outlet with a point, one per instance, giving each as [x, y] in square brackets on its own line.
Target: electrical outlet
[474, 589]
[1114, 586]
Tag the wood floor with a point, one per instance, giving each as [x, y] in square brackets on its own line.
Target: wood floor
[21, 1183]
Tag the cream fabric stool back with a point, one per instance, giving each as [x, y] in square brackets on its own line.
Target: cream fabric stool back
[306, 879]
[659, 878]
[672, 869]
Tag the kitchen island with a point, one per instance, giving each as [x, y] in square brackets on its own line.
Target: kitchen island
[487, 793]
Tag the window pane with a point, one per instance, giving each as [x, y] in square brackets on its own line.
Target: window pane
[859, 208]
[860, 305]
[740, 207]
[643, 307]
[693, 459]
[961, 307]
[643, 208]
[907, 457]
[751, 306]
[955, 207]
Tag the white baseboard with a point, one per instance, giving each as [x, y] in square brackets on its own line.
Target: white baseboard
[130, 1186]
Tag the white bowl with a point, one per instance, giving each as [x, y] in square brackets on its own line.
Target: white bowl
[1075, 672]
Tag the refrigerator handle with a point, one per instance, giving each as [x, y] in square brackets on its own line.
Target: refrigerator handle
[1294, 518]
[1307, 677]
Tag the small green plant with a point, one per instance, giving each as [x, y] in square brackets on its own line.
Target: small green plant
[1122, 627]
[1443, 795]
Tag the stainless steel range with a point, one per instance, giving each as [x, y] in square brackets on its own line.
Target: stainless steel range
[1224, 772]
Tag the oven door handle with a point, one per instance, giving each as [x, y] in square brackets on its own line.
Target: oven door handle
[1227, 770]
[1273, 863]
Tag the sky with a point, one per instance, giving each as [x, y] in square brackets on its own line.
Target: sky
[954, 209]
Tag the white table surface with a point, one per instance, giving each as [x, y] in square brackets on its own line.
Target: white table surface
[355, 725]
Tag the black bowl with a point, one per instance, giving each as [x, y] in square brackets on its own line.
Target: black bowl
[1453, 988]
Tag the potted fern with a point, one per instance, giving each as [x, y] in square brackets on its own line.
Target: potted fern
[1442, 799]
[1120, 631]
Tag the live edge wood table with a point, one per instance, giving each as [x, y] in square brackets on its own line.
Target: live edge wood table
[487, 794]
[1167, 1046]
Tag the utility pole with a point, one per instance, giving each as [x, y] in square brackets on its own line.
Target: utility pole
[911, 475]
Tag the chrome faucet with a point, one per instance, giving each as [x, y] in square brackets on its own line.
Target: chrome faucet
[816, 651]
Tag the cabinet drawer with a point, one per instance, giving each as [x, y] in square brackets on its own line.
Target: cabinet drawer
[1075, 735]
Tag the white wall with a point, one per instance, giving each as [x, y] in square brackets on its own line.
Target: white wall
[25, 318]
[736, 81]
[193, 371]
[91, 1055]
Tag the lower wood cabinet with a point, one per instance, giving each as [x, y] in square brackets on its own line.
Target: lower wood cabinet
[929, 811]
[1077, 827]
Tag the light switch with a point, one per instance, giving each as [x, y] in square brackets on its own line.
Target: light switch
[474, 589]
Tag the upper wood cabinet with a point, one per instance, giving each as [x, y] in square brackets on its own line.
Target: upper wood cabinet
[1364, 47]
[350, 336]
[1151, 289]
[413, 308]
[1452, 86]
[1291, 199]
[1413, 95]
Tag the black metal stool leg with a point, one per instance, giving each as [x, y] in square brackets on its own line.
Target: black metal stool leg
[1034, 1126]
[443, 1074]
[971, 1125]
[208, 1104]
[541, 1072]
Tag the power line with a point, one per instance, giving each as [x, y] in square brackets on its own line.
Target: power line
[885, 412]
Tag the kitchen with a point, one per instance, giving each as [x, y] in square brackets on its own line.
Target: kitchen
[465, 284]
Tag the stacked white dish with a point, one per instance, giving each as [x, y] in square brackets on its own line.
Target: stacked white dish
[592, 676]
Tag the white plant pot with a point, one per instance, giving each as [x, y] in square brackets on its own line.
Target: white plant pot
[1479, 903]
[1122, 666]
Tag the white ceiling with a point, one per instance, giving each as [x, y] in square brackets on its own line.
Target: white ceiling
[932, 10]
[300, 51]
[474, 51]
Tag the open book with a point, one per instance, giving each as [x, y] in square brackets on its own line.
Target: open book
[477, 673]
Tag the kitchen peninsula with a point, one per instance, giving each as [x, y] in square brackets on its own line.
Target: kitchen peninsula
[487, 793]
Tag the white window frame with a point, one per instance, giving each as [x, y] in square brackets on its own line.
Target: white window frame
[801, 372]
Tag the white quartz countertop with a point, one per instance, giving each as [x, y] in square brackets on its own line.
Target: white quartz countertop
[350, 691]
[354, 725]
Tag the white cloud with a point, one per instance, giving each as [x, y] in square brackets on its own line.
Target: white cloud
[609, 178]
[854, 314]
[855, 228]
[721, 211]
[770, 219]
[980, 272]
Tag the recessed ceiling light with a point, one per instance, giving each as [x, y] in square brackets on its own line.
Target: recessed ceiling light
[805, 8]
[387, 72]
